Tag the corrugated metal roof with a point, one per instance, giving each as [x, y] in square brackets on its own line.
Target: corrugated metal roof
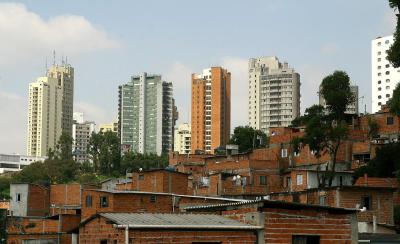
[175, 221]
[269, 203]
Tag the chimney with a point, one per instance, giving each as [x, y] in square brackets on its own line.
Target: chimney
[365, 179]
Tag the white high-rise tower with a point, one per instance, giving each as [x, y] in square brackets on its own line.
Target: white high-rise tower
[384, 76]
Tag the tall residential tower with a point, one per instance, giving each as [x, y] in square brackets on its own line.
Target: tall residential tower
[145, 112]
[44, 116]
[384, 76]
[211, 109]
[65, 77]
[50, 111]
[274, 93]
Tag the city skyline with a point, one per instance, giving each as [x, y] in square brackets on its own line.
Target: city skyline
[107, 61]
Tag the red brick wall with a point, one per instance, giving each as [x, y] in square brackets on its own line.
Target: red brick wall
[98, 229]
[38, 201]
[282, 224]
[65, 194]
[160, 181]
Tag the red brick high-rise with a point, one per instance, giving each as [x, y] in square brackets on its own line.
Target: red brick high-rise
[211, 109]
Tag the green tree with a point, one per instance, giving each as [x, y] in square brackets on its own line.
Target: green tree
[105, 151]
[385, 164]
[95, 142]
[132, 161]
[326, 128]
[394, 51]
[35, 173]
[394, 102]
[5, 187]
[61, 171]
[248, 138]
[64, 147]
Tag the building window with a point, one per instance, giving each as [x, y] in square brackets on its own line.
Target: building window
[366, 202]
[387, 81]
[153, 198]
[88, 201]
[379, 88]
[387, 95]
[322, 200]
[387, 72]
[284, 153]
[305, 239]
[103, 201]
[141, 177]
[299, 180]
[103, 242]
[263, 180]
[379, 82]
[387, 42]
[389, 120]
[18, 197]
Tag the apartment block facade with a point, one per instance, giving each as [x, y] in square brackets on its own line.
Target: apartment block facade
[146, 114]
[64, 74]
[211, 109]
[274, 93]
[182, 139]
[81, 132]
[384, 76]
[44, 116]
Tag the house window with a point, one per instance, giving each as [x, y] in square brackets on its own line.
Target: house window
[153, 198]
[18, 197]
[299, 180]
[389, 121]
[88, 201]
[284, 153]
[263, 180]
[103, 201]
[322, 200]
[141, 177]
[103, 242]
[305, 239]
[366, 202]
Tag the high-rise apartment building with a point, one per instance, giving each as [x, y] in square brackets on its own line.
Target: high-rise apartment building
[211, 109]
[384, 76]
[274, 93]
[352, 108]
[81, 132]
[44, 116]
[50, 109]
[145, 114]
[182, 139]
[64, 74]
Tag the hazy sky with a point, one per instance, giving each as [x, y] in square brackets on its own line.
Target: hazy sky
[108, 41]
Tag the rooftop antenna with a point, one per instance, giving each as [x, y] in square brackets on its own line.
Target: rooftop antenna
[54, 57]
[46, 67]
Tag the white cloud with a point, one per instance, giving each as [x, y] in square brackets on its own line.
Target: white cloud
[239, 92]
[13, 123]
[180, 76]
[25, 35]
[94, 113]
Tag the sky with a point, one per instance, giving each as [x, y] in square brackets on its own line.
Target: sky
[109, 41]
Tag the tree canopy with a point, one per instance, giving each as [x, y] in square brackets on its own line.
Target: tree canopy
[394, 51]
[326, 128]
[247, 138]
